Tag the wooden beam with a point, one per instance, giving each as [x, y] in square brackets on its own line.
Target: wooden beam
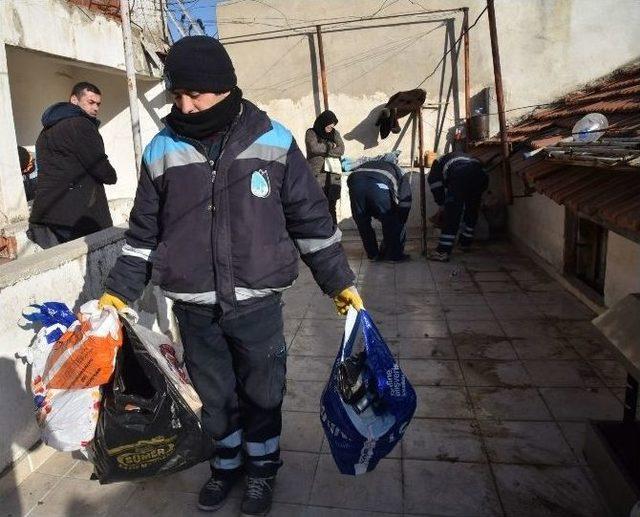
[323, 69]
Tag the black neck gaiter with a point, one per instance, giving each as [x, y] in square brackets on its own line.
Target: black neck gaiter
[205, 123]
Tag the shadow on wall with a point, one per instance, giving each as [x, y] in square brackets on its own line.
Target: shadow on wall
[15, 399]
[366, 132]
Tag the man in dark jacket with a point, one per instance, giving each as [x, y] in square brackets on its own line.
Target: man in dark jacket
[70, 201]
[457, 182]
[381, 190]
[225, 204]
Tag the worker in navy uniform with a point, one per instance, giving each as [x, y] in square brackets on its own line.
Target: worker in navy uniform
[381, 190]
[225, 207]
[457, 182]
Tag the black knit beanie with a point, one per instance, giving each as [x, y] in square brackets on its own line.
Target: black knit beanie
[199, 63]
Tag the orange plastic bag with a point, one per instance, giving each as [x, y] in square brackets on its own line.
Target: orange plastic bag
[85, 355]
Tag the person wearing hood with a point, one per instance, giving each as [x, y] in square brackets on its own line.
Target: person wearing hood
[226, 204]
[70, 200]
[324, 148]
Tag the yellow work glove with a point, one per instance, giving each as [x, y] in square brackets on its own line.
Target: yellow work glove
[110, 299]
[348, 296]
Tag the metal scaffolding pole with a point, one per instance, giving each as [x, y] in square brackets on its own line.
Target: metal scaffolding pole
[131, 82]
[323, 69]
[423, 186]
[497, 71]
[467, 73]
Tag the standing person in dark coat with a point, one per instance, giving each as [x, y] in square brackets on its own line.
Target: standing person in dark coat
[29, 172]
[381, 190]
[323, 141]
[70, 201]
[226, 204]
[457, 182]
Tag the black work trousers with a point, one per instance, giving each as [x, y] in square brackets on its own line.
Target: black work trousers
[462, 204]
[238, 368]
[373, 200]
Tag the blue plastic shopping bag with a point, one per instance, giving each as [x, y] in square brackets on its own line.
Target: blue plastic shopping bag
[368, 402]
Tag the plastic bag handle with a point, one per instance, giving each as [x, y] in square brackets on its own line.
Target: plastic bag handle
[129, 314]
[350, 332]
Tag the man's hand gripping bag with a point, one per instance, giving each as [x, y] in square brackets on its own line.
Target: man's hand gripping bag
[368, 401]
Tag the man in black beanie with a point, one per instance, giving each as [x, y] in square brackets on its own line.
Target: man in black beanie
[225, 205]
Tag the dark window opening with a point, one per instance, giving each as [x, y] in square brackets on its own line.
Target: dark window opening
[586, 252]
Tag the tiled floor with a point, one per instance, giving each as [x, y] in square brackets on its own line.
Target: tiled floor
[507, 369]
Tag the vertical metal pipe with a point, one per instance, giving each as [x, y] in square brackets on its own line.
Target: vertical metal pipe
[423, 185]
[497, 71]
[323, 70]
[131, 82]
[467, 77]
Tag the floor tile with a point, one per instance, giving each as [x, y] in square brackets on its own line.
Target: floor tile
[454, 300]
[16, 502]
[532, 329]
[443, 440]
[80, 497]
[415, 311]
[295, 477]
[591, 349]
[426, 348]
[547, 491]
[442, 402]
[303, 396]
[582, 403]
[380, 490]
[612, 372]
[492, 276]
[509, 404]
[567, 311]
[499, 287]
[301, 432]
[469, 313]
[515, 311]
[186, 481]
[323, 511]
[494, 373]
[318, 346]
[58, 465]
[575, 434]
[449, 489]
[492, 347]
[543, 348]
[420, 329]
[526, 443]
[473, 327]
[583, 329]
[562, 373]
[432, 372]
[308, 368]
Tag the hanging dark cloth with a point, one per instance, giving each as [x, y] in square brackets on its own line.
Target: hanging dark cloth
[398, 106]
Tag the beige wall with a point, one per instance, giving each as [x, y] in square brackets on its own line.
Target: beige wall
[538, 222]
[547, 48]
[622, 276]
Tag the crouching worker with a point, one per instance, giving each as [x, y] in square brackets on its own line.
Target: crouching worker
[381, 190]
[457, 182]
[225, 203]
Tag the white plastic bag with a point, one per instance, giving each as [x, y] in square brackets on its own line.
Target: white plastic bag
[67, 418]
[164, 353]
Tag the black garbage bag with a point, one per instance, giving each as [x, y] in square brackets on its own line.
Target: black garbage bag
[145, 427]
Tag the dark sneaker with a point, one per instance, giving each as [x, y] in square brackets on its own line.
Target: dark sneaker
[257, 498]
[438, 256]
[215, 491]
